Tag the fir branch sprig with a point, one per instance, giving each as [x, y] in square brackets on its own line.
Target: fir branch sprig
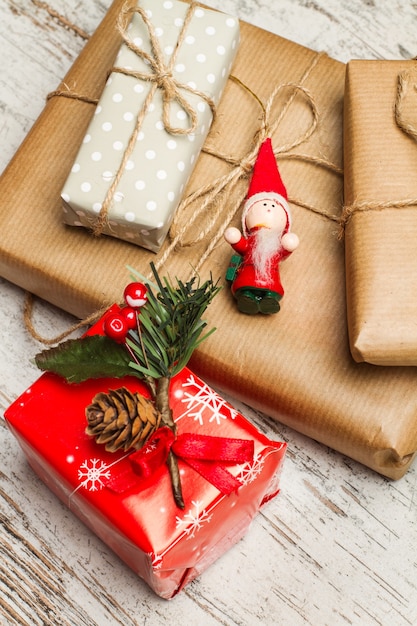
[171, 326]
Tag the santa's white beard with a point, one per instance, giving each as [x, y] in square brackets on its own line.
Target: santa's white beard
[267, 244]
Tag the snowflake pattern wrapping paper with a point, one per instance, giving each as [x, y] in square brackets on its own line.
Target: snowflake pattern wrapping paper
[141, 207]
[164, 545]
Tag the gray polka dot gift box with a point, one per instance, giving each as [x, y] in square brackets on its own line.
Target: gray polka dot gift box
[151, 120]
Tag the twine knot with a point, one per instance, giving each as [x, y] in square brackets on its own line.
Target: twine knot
[161, 73]
[164, 80]
[246, 166]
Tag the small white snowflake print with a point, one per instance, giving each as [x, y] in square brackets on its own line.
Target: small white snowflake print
[91, 474]
[149, 447]
[156, 560]
[249, 471]
[193, 520]
[203, 402]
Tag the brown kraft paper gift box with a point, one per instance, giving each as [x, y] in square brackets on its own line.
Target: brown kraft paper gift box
[381, 197]
[296, 365]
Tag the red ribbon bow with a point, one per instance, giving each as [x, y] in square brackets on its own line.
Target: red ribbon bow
[204, 453]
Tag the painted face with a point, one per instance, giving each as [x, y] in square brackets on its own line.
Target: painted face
[266, 213]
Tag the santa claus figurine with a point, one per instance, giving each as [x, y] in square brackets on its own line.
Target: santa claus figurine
[266, 239]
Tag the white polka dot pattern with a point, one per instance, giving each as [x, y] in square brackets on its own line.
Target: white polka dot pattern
[161, 163]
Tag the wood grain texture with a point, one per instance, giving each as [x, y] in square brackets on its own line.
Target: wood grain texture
[338, 546]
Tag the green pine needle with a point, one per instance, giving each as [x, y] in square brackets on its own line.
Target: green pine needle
[170, 324]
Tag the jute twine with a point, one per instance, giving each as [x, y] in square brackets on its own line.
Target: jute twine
[225, 191]
[67, 92]
[61, 18]
[161, 77]
[406, 82]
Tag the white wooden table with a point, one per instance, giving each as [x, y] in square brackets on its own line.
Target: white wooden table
[338, 546]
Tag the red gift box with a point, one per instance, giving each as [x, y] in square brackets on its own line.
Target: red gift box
[137, 517]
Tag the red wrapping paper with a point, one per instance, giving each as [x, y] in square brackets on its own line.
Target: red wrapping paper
[137, 518]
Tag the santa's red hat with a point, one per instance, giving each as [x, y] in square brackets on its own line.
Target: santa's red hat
[266, 182]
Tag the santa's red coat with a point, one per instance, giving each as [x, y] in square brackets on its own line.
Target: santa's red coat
[245, 276]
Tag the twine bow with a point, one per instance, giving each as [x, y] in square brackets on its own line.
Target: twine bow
[207, 455]
[161, 77]
[405, 116]
[222, 192]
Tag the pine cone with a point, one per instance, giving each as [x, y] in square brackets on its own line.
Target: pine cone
[121, 419]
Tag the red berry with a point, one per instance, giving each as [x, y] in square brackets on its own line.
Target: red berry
[115, 326]
[135, 295]
[130, 316]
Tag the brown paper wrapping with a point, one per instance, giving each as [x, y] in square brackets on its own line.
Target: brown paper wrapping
[296, 365]
[381, 192]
